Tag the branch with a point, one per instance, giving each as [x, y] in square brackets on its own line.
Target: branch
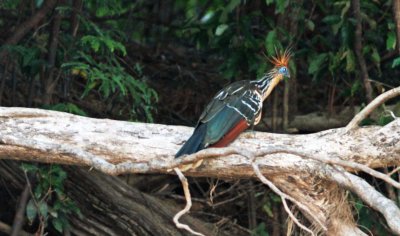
[335, 161]
[284, 197]
[27, 25]
[19, 215]
[370, 196]
[358, 49]
[55, 137]
[5, 228]
[396, 13]
[185, 210]
[371, 107]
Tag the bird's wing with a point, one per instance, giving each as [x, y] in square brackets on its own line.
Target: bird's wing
[224, 97]
[238, 103]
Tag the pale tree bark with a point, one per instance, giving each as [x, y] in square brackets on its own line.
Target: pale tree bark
[313, 171]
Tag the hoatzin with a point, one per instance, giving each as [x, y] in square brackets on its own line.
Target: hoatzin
[235, 108]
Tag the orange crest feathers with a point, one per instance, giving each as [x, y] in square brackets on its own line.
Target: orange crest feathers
[281, 59]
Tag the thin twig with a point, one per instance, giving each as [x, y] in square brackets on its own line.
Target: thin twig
[283, 197]
[393, 171]
[185, 210]
[19, 215]
[371, 107]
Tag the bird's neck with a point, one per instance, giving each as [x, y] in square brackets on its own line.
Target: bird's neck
[267, 83]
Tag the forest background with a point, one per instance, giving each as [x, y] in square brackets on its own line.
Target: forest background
[162, 61]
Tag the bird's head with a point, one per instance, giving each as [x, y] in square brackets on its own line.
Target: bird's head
[274, 76]
[280, 63]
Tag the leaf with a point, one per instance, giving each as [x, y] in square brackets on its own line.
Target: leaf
[117, 80]
[331, 19]
[110, 44]
[350, 61]
[226, 10]
[43, 209]
[93, 41]
[356, 87]
[275, 198]
[95, 45]
[281, 5]
[345, 9]
[358, 205]
[384, 120]
[396, 62]
[38, 3]
[267, 209]
[119, 46]
[260, 230]
[310, 25]
[376, 58]
[29, 167]
[61, 174]
[316, 62]
[336, 27]
[232, 5]
[268, 2]
[31, 210]
[270, 42]
[75, 65]
[391, 40]
[57, 224]
[347, 34]
[38, 191]
[221, 29]
[372, 23]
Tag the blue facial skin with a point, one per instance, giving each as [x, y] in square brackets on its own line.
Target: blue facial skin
[284, 71]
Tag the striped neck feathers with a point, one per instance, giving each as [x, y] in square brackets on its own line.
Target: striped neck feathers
[268, 82]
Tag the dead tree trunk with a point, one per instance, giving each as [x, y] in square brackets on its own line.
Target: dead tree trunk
[110, 206]
[313, 171]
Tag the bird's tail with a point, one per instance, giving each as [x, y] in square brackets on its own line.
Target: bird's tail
[195, 142]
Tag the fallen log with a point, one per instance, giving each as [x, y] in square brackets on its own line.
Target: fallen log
[314, 170]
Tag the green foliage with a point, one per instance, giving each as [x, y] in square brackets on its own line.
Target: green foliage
[391, 40]
[260, 230]
[67, 107]
[120, 45]
[98, 58]
[97, 54]
[9, 4]
[28, 57]
[103, 43]
[368, 223]
[396, 62]
[49, 202]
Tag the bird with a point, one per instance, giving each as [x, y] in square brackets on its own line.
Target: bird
[235, 108]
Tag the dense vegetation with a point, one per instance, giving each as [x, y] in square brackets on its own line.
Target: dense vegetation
[161, 61]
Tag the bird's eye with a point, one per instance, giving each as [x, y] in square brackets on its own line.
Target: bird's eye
[283, 70]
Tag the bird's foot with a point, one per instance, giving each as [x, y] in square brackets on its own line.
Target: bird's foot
[250, 134]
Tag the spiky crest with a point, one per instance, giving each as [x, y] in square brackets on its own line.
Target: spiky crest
[281, 59]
